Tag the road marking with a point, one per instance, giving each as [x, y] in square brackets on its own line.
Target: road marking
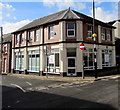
[29, 83]
[18, 87]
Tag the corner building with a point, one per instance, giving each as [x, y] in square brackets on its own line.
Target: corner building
[51, 45]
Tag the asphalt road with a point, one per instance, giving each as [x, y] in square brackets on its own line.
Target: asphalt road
[37, 94]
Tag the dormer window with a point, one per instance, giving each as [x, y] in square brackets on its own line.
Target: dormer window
[70, 29]
[89, 31]
[103, 33]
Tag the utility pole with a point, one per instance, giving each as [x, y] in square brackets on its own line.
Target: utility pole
[94, 37]
[1, 34]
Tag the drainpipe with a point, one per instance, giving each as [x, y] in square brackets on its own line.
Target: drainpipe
[1, 38]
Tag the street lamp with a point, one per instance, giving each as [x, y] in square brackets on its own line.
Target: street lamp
[1, 34]
[94, 35]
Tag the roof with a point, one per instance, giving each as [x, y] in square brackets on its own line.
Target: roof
[112, 22]
[7, 38]
[62, 15]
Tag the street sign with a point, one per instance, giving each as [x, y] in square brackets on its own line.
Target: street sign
[82, 47]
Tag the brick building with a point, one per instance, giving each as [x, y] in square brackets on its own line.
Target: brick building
[6, 53]
[51, 45]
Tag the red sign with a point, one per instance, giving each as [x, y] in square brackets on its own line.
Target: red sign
[82, 47]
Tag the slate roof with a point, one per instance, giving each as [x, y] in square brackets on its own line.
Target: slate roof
[112, 22]
[7, 38]
[62, 15]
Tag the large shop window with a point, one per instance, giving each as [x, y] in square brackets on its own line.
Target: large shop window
[19, 60]
[52, 65]
[34, 61]
[106, 58]
[70, 29]
[88, 58]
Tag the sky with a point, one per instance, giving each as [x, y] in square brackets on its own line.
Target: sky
[14, 15]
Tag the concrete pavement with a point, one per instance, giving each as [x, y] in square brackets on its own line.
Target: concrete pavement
[66, 79]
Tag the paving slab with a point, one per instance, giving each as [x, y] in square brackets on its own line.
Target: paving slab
[66, 79]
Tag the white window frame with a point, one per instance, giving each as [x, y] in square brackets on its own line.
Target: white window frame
[89, 31]
[37, 66]
[19, 56]
[88, 56]
[70, 30]
[102, 33]
[109, 63]
[51, 31]
[108, 35]
[17, 39]
[22, 38]
[37, 32]
[53, 69]
[31, 33]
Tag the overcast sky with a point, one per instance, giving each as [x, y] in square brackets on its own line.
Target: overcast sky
[14, 15]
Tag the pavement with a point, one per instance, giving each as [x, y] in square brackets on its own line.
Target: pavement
[66, 79]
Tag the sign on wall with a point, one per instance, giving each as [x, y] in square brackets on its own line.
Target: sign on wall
[82, 47]
[52, 59]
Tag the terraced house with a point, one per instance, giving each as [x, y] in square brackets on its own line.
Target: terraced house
[51, 45]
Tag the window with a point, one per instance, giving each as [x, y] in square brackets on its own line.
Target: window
[31, 33]
[108, 35]
[5, 48]
[18, 39]
[71, 52]
[103, 33]
[88, 58]
[21, 38]
[106, 58]
[34, 60]
[53, 62]
[89, 31]
[71, 29]
[51, 32]
[36, 38]
[19, 60]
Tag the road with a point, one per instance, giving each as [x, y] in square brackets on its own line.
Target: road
[36, 93]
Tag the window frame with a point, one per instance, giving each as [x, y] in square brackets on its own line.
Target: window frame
[51, 67]
[103, 33]
[32, 67]
[17, 39]
[36, 36]
[108, 33]
[89, 31]
[74, 30]
[30, 35]
[51, 31]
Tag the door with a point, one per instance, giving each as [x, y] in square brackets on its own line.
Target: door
[71, 71]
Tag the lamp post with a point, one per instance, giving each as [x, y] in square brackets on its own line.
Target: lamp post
[1, 34]
[94, 35]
